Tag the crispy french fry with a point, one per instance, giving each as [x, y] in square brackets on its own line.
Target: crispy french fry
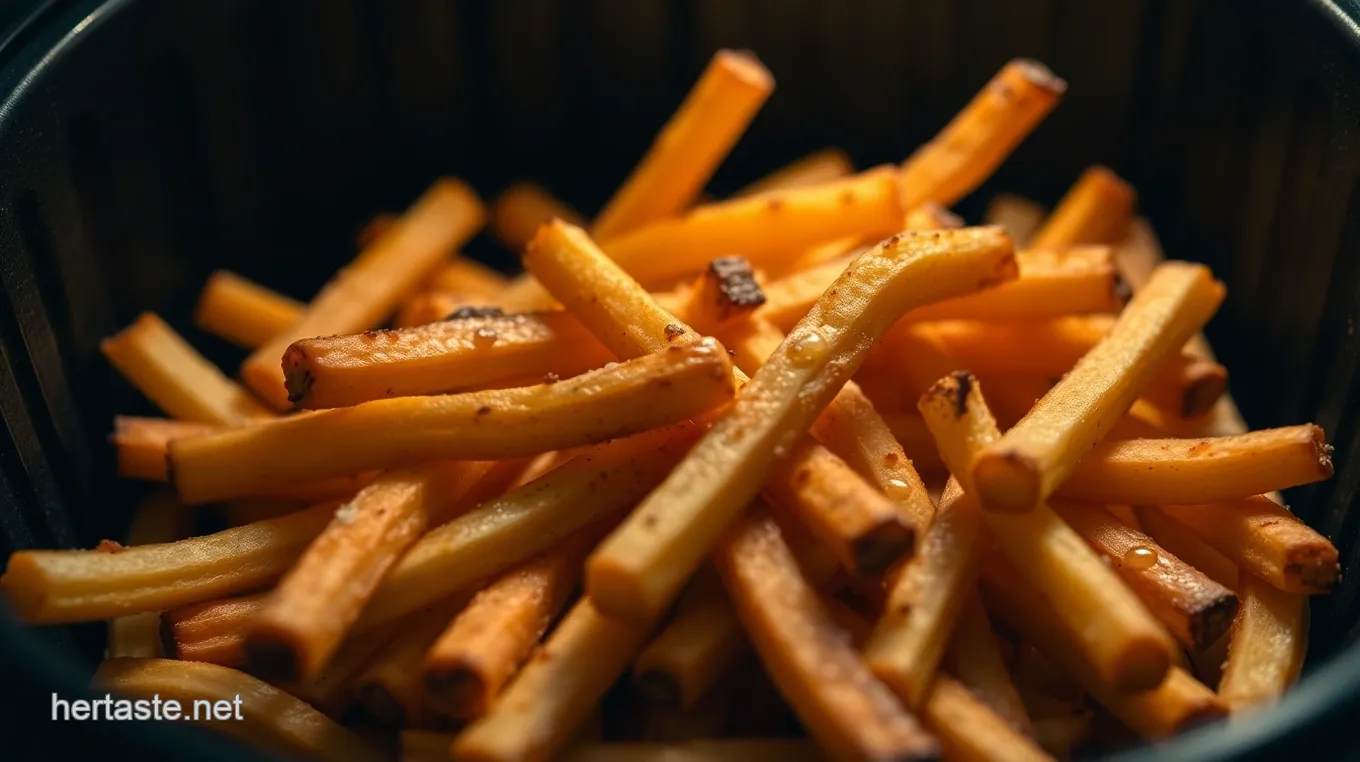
[555, 690]
[975, 659]
[390, 691]
[483, 647]
[1024, 466]
[1113, 632]
[1187, 546]
[1266, 539]
[141, 444]
[1097, 209]
[1266, 651]
[364, 294]
[1175, 704]
[438, 358]
[814, 169]
[312, 608]
[212, 631]
[172, 374]
[691, 146]
[242, 311]
[700, 643]
[465, 276]
[1020, 216]
[159, 518]
[522, 209]
[260, 714]
[632, 396]
[333, 691]
[1194, 608]
[970, 730]
[726, 292]
[848, 712]
[970, 148]
[55, 586]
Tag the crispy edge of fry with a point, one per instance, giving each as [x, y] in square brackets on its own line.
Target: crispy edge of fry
[242, 311]
[522, 208]
[1020, 216]
[1029, 461]
[1098, 208]
[726, 292]
[1267, 649]
[140, 444]
[815, 168]
[211, 631]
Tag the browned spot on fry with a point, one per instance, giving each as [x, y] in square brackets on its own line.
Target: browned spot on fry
[964, 386]
[483, 411]
[674, 332]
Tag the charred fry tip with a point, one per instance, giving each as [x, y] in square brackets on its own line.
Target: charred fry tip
[736, 281]
[876, 551]
[674, 332]
[458, 690]
[1213, 621]
[964, 386]
[1322, 449]
[1121, 290]
[1316, 568]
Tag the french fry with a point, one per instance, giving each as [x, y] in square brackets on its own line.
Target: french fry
[1266, 651]
[1190, 471]
[536, 714]
[1023, 467]
[312, 608]
[1266, 539]
[433, 306]
[522, 209]
[260, 714]
[700, 643]
[1113, 632]
[970, 148]
[141, 444]
[1177, 703]
[438, 358]
[1097, 209]
[691, 146]
[57, 586]
[333, 691]
[1020, 216]
[390, 691]
[726, 292]
[932, 216]
[975, 659]
[970, 730]
[374, 229]
[849, 713]
[478, 653]
[1194, 608]
[172, 374]
[367, 292]
[1187, 546]
[212, 631]
[243, 312]
[159, 518]
[814, 169]
[633, 396]
[465, 276]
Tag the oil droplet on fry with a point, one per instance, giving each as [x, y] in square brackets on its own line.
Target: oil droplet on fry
[1140, 558]
[484, 337]
[808, 349]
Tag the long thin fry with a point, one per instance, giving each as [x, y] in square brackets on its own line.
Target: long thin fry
[141, 444]
[159, 518]
[1267, 649]
[969, 730]
[364, 294]
[633, 396]
[702, 641]
[1020, 216]
[1187, 546]
[257, 713]
[1029, 461]
[172, 374]
[213, 631]
[975, 658]
[522, 209]
[1097, 209]
[814, 169]
[691, 145]
[242, 311]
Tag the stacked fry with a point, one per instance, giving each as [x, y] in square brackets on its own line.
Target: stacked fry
[814, 471]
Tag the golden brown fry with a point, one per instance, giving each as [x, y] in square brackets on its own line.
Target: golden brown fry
[1187, 546]
[725, 293]
[970, 148]
[243, 312]
[555, 690]
[1266, 539]
[141, 444]
[1097, 209]
[374, 229]
[1020, 216]
[258, 713]
[159, 518]
[975, 658]
[1024, 466]
[932, 216]
[1194, 608]
[333, 691]
[212, 631]
[363, 295]
[691, 146]
[848, 712]
[632, 396]
[1266, 651]
[814, 169]
[464, 276]
[522, 209]
[700, 643]
[172, 374]
[1125, 647]
[969, 730]
[55, 586]
[466, 351]
[390, 691]
[483, 647]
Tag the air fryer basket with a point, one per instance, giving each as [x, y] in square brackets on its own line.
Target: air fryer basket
[144, 143]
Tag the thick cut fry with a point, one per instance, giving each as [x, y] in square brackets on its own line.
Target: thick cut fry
[311, 610]
[526, 521]
[390, 690]
[480, 651]
[1024, 466]
[364, 294]
[1194, 608]
[464, 276]
[447, 356]
[632, 396]
[1187, 546]
[522, 209]
[259, 714]
[1020, 216]
[1266, 652]
[814, 169]
[726, 292]
[159, 518]
[639, 568]
[172, 374]
[1177, 703]
[56, 586]
[1266, 539]
[765, 229]
[1097, 209]
[1189, 471]
[691, 146]
[213, 631]
[845, 709]
[1112, 630]
[970, 148]
[141, 444]
[555, 691]
[242, 311]
[975, 658]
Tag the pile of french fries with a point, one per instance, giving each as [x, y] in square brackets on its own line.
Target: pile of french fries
[813, 471]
